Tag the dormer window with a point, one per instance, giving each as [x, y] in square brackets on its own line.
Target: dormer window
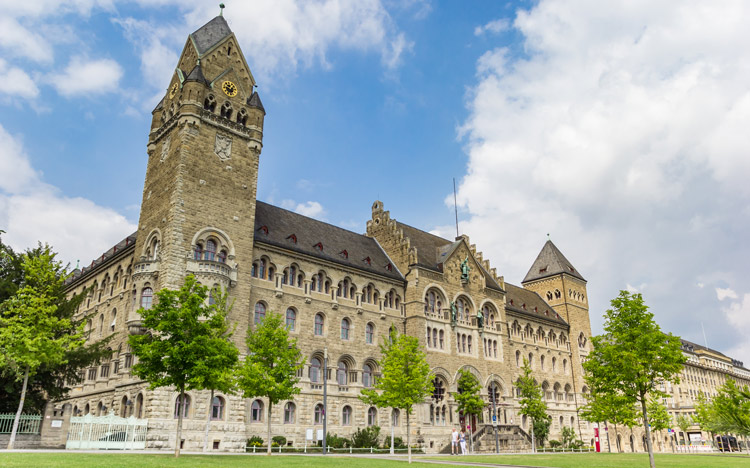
[511, 302]
[367, 260]
[318, 246]
[344, 254]
[573, 270]
[389, 266]
[263, 230]
[292, 238]
[524, 306]
[543, 270]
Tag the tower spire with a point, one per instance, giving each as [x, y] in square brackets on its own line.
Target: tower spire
[221, 9]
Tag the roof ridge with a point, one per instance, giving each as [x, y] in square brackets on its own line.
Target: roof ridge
[314, 219]
[425, 232]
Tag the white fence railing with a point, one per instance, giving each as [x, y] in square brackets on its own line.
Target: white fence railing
[107, 432]
[28, 424]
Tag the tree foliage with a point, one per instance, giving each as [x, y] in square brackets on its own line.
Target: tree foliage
[270, 368]
[33, 334]
[728, 412]
[405, 377]
[185, 340]
[532, 404]
[51, 381]
[633, 357]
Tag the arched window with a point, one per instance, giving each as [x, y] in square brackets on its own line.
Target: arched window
[369, 333]
[518, 358]
[114, 320]
[256, 411]
[565, 366]
[262, 269]
[469, 343]
[464, 310]
[217, 408]
[242, 117]
[226, 110]
[541, 362]
[441, 337]
[367, 376]
[222, 257]
[341, 373]
[319, 322]
[438, 390]
[554, 364]
[395, 416]
[345, 329]
[291, 319]
[139, 405]
[210, 253]
[289, 411]
[346, 416]
[315, 370]
[318, 418]
[101, 323]
[209, 103]
[372, 416]
[147, 297]
[260, 312]
[179, 404]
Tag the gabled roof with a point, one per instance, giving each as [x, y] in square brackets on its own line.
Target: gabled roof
[125, 244]
[288, 230]
[550, 262]
[210, 34]
[526, 302]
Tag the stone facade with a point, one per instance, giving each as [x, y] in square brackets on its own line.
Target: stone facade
[340, 291]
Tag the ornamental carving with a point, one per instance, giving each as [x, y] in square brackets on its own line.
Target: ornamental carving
[223, 147]
[165, 148]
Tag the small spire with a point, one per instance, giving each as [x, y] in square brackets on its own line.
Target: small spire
[548, 236]
[78, 262]
[221, 9]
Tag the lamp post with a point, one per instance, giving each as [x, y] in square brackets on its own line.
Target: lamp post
[494, 416]
[325, 398]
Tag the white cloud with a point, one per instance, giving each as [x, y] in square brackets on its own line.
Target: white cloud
[311, 209]
[18, 41]
[16, 82]
[83, 76]
[722, 294]
[620, 132]
[31, 211]
[738, 317]
[494, 27]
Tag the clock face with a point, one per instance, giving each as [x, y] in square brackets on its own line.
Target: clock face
[173, 91]
[230, 89]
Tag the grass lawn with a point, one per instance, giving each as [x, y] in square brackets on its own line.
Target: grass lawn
[610, 460]
[586, 460]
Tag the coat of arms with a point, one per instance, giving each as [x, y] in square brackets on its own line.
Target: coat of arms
[223, 147]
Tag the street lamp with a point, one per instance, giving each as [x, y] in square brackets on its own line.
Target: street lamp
[325, 398]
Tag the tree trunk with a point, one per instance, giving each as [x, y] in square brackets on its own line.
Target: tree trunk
[208, 421]
[268, 451]
[180, 412]
[392, 410]
[20, 410]
[617, 441]
[408, 436]
[648, 432]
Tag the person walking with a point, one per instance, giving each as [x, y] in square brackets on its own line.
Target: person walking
[462, 440]
[454, 442]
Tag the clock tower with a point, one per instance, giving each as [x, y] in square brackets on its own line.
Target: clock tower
[198, 208]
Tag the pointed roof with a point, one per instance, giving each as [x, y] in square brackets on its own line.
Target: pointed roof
[526, 302]
[550, 262]
[210, 34]
[254, 101]
[196, 74]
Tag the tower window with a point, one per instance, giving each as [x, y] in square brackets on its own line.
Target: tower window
[226, 110]
[210, 253]
[242, 117]
[209, 103]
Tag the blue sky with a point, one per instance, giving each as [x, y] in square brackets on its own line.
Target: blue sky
[619, 128]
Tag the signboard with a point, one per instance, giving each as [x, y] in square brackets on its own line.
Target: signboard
[56, 423]
[320, 434]
[494, 420]
[309, 434]
[694, 436]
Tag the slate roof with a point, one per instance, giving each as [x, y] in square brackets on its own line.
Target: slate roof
[210, 34]
[119, 248]
[432, 251]
[254, 101]
[535, 307]
[338, 245]
[549, 262]
[196, 74]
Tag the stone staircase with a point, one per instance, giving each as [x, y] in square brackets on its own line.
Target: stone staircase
[512, 439]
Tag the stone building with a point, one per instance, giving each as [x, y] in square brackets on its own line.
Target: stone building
[338, 290]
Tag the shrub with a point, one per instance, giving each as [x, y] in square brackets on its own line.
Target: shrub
[278, 440]
[334, 441]
[367, 437]
[554, 443]
[398, 442]
[254, 441]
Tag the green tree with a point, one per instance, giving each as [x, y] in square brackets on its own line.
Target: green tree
[684, 422]
[468, 400]
[32, 333]
[633, 357]
[532, 404]
[185, 336]
[612, 408]
[52, 380]
[658, 417]
[270, 368]
[405, 378]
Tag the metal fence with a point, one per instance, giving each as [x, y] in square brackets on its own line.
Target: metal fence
[107, 433]
[319, 449]
[28, 424]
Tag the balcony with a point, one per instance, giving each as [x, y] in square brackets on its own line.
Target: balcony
[145, 269]
[206, 270]
[135, 327]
